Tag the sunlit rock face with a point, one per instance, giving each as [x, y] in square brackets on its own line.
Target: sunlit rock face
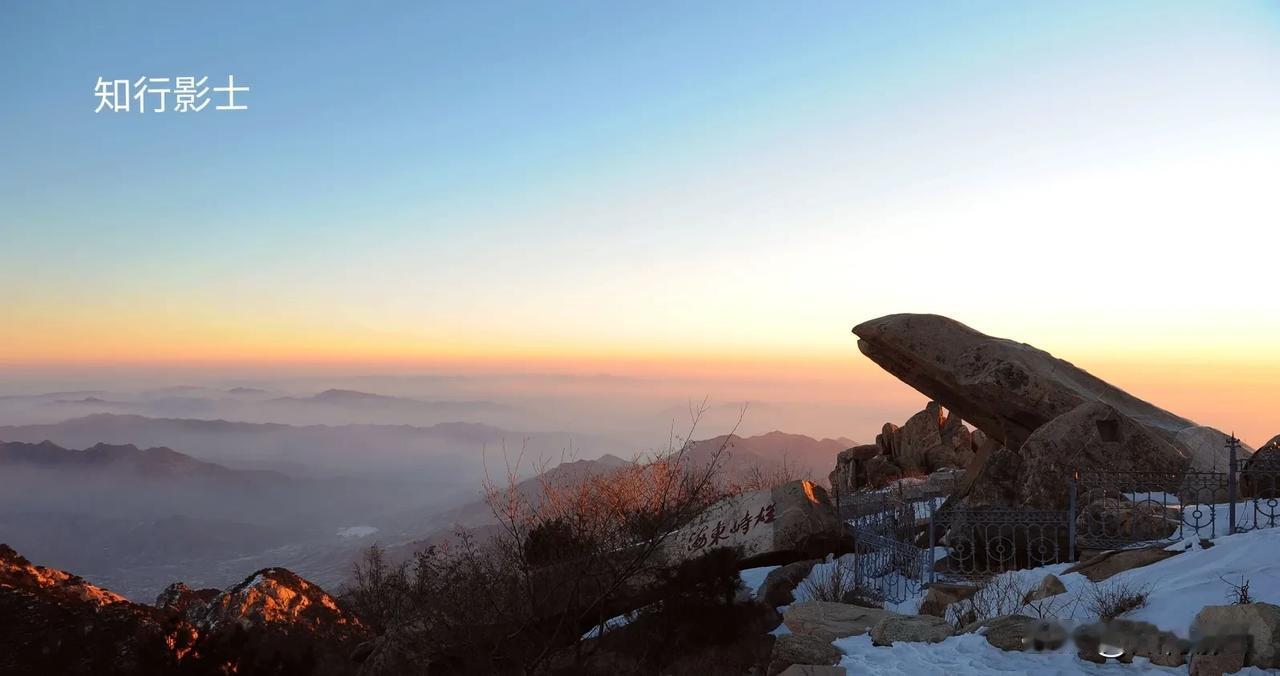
[276, 596]
[18, 573]
[273, 622]
[1009, 389]
[52, 622]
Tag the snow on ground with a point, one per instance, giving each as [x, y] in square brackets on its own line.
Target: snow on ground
[971, 655]
[752, 578]
[1177, 588]
[356, 531]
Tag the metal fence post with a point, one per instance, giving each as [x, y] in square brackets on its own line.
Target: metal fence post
[1071, 518]
[1232, 444]
[928, 559]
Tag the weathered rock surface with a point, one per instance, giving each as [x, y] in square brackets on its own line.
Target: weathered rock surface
[1092, 437]
[837, 619]
[1207, 448]
[793, 521]
[1218, 655]
[1004, 388]
[1260, 621]
[1048, 586]
[780, 584]
[183, 600]
[1260, 476]
[805, 649]
[929, 441]
[1006, 632]
[1105, 564]
[1115, 517]
[940, 595]
[910, 629]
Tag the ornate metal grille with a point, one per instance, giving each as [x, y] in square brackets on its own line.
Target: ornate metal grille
[982, 542]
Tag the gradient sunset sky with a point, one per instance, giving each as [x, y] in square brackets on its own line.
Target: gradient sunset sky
[650, 187]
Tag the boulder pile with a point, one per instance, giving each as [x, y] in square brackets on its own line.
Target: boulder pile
[928, 441]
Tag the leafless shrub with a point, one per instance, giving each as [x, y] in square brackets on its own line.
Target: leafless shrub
[1056, 607]
[997, 595]
[379, 591]
[831, 582]
[563, 557]
[1239, 594]
[1111, 600]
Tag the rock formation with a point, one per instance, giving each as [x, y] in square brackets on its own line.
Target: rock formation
[1051, 417]
[1009, 389]
[928, 441]
[274, 622]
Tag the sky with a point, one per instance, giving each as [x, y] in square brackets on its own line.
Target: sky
[722, 188]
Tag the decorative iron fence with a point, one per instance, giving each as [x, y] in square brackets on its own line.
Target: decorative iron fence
[904, 543]
[1118, 510]
[983, 542]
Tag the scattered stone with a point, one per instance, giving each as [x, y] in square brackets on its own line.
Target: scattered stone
[778, 588]
[803, 649]
[837, 619]
[1218, 655]
[1108, 563]
[1050, 585]
[910, 629]
[1260, 621]
[941, 594]
[1006, 632]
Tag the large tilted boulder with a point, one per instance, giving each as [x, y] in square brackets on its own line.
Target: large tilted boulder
[790, 522]
[1004, 388]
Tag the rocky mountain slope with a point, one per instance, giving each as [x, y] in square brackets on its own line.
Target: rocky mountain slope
[272, 622]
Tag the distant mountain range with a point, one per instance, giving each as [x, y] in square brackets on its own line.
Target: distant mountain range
[151, 462]
[335, 406]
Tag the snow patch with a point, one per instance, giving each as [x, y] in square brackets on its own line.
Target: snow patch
[356, 531]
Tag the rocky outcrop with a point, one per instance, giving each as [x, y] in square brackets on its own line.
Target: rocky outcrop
[1090, 437]
[928, 441]
[180, 599]
[1004, 388]
[275, 622]
[1259, 621]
